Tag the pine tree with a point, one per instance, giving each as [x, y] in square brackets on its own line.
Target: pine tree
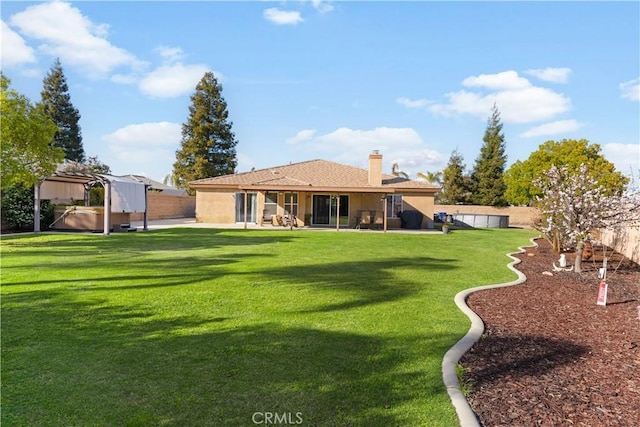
[455, 185]
[208, 146]
[487, 176]
[58, 107]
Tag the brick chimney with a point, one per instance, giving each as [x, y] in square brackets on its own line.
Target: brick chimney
[375, 169]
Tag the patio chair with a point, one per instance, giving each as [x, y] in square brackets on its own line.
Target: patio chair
[267, 216]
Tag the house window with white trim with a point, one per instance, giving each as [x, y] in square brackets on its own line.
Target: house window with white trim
[291, 203]
[394, 205]
[270, 205]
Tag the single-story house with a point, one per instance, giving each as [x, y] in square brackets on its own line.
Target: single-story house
[318, 193]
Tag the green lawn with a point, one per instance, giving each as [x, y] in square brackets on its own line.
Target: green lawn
[207, 327]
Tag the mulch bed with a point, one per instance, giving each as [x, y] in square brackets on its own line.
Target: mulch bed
[551, 356]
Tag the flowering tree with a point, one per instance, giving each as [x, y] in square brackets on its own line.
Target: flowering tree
[573, 204]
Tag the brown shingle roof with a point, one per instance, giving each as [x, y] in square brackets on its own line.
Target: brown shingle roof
[312, 175]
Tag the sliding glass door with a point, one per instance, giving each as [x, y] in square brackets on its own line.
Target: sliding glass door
[325, 209]
[250, 214]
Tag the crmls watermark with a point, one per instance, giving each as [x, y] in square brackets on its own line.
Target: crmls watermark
[275, 418]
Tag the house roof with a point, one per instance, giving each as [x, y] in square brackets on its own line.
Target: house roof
[313, 175]
[158, 186]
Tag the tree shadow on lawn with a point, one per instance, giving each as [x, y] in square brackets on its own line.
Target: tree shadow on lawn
[150, 253]
[70, 362]
[363, 282]
[146, 274]
[174, 239]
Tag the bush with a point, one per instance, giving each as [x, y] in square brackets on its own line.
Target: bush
[17, 209]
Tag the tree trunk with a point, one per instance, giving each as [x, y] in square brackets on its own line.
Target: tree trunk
[556, 242]
[577, 267]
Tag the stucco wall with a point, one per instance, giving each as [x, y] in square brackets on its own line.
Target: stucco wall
[419, 202]
[626, 242]
[163, 206]
[519, 216]
[218, 207]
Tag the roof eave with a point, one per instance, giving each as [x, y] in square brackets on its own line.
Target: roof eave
[311, 188]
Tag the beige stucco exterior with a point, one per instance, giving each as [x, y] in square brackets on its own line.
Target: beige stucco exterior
[338, 195]
[215, 206]
[218, 207]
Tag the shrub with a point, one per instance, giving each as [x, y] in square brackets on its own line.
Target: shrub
[17, 209]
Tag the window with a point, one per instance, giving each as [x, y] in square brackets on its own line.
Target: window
[394, 205]
[270, 205]
[291, 203]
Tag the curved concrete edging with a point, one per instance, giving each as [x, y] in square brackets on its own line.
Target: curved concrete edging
[465, 414]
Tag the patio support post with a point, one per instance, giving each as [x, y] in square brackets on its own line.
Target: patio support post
[107, 208]
[384, 212]
[146, 208]
[337, 212]
[36, 207]
[246, 195]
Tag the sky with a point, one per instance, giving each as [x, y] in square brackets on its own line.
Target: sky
[307, 80]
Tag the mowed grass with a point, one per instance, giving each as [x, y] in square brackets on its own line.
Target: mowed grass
[209, 327]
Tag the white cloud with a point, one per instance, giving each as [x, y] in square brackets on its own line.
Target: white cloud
[345, 145]
[303, 135]
[517, 100]
[171, 54]
[146, 135]
[626, 157]
[553, 128]
[507, 80]
[413, 103]
[170, 81]
[322, 6]
[282, 17]
[631, 89]
[421, 160]
[65, 33]
[144, 145]
[14, 49]
[381, 138]
[549, 74]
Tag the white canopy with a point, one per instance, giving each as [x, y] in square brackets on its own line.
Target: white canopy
[127, 195]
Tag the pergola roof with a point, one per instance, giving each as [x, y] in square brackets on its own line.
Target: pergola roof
[84, 178]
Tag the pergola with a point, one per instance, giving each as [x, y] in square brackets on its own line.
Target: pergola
[120, 194]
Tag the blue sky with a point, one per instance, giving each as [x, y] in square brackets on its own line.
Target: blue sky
[310, 80]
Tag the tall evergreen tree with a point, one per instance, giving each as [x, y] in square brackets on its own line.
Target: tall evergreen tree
[455, 185]
[58, 107]
[487, 176]
[208, 146]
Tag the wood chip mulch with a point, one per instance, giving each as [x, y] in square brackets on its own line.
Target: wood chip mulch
[551, 356]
